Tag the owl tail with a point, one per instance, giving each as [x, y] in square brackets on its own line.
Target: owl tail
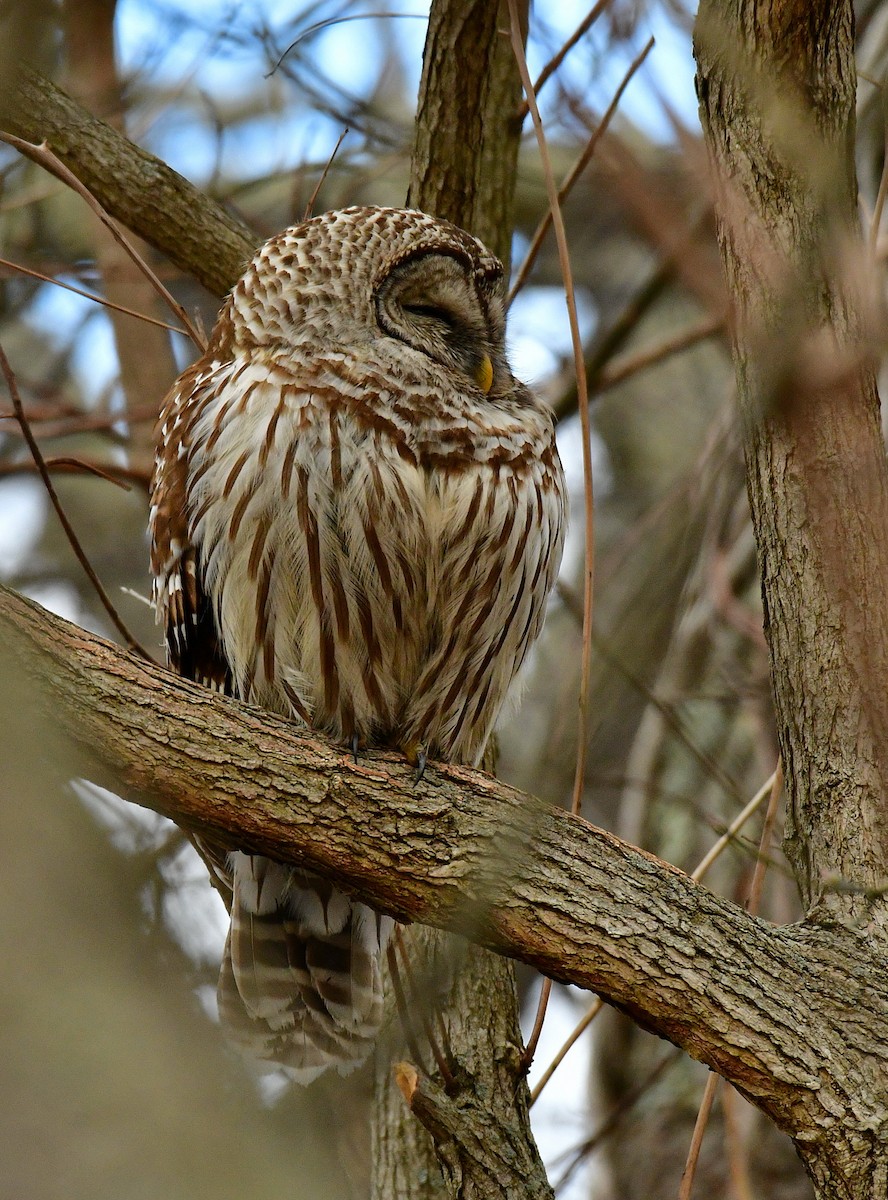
[301, 983]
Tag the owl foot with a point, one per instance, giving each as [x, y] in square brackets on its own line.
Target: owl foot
[355, 747]
[415, 754]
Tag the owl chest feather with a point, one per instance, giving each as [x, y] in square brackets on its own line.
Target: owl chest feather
[358, 585]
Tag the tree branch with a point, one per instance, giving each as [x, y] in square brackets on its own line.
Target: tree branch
[788, 1015]
[136, 188]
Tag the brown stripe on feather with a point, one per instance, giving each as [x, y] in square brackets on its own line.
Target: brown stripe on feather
[340, 603]
[472, 511]
[198, 473]
[500, 541]
[374, 660]
[494, 648]
[238, 514]
[268, 441]
[263, 528]
[335, 450]
[287, 468]
[379, 558]
[233, 474]
[308, 522]
[521, 547]
[296, 701]
[265, 621]
[472, 685]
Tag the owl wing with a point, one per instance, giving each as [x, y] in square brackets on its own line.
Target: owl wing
[300, 982]
[193, 645]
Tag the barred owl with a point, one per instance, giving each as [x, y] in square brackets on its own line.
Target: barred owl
[357, 515]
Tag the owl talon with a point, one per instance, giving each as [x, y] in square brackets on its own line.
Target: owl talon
[415, 754]
[355, 747]
[420, 764]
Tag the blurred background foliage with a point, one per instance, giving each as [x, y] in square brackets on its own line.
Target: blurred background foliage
[114, 1080]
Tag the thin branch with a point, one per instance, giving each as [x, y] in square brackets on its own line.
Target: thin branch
[44, 157]
[156, 203]
[69, 287]
[52, 425]
[539, 1020]
[557, 59]
[690, 1170]
[626, 1103]
[309, 208]
[589, 509]
[632, 364]
[121, 477]
[774, 789]
[738, 1168]
[62, 515]
[761, 866]
[767, 789]
[573, 175]
[582, 1025]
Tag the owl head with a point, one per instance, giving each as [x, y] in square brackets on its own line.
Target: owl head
[408, 283]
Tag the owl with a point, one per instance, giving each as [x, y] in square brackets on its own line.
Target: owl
[357, 514]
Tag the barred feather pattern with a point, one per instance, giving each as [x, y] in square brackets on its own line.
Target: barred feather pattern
[357, 515]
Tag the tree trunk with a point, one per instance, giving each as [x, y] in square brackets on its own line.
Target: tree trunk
[464, 161]
[776, 83]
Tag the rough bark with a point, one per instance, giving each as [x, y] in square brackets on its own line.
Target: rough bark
[796, 1017]
[468, 127]
[776, 83]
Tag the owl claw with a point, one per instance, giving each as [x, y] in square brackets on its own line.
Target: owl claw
[415, 754]
[355, 747]
[420, 764]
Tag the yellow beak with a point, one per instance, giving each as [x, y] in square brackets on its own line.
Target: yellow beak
[484, 374]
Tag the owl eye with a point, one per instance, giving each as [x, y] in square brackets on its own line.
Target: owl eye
[430, 312]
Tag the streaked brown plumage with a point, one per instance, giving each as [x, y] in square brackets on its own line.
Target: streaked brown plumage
[357, 516]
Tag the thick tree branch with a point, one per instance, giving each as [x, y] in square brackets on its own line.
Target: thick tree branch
[790, 1015]
[136, 188]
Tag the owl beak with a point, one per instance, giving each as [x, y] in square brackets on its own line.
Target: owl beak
[484, 374]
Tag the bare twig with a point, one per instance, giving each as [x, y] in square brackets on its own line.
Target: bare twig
[737, 1164]
[44, 157]
[687, 1177]
[56, 503]
[121, 477]
[539, 1019]
[739, 821]
[557, 59]
[54, 425]
[774, 789]
[614, 1117]
[582, 1025]
[573, 175]
[758, 875]
[631, 364]
[313, 197]
[5, 262]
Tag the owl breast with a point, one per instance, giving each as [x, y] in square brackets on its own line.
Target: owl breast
[378, 580]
